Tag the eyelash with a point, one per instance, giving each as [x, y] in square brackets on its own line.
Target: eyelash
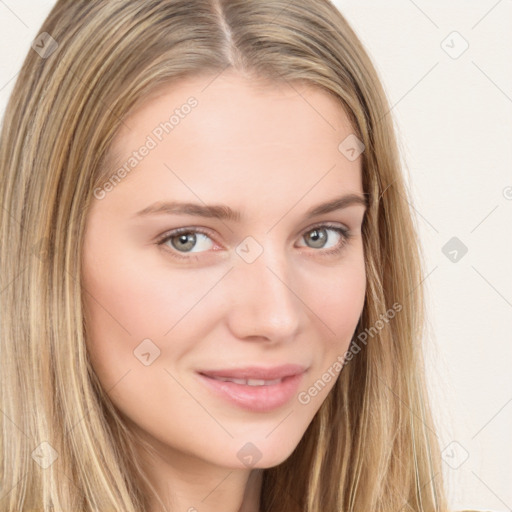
[345, 238]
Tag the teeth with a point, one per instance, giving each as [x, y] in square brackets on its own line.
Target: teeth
[237, 381]
[250, 382]
[257, 382]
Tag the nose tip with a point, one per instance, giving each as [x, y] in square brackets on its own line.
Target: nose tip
[265, 305]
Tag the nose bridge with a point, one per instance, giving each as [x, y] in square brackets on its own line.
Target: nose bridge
[266, 304]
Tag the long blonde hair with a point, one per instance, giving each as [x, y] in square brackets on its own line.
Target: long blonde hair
[372, 445]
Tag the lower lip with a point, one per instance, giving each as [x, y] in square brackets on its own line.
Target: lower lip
[256, 398]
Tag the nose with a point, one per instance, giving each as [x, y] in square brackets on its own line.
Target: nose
[263, 303]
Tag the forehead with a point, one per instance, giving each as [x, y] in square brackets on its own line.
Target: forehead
[241, 135]
[231, 100]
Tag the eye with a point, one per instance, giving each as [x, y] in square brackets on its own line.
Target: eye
[318, 237]
[184, 240]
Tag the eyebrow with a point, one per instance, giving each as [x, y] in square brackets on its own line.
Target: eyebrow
[224, 212]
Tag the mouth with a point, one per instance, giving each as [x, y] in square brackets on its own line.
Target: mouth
[255, 389]
[256, 373]
[249, 382]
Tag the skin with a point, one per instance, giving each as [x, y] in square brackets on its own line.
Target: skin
[271, 152]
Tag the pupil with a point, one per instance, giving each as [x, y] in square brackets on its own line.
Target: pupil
[317, 235]
[185, 238]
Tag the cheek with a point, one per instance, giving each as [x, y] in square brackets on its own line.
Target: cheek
[338, 304]
[140, 298]
[129, 299]
[337, 298]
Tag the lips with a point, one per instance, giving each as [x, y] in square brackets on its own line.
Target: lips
[255, 375]
[253, 388]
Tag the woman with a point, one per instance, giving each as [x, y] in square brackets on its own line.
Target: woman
[276, 368]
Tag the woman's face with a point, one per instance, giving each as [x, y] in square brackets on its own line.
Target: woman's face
[264, 292]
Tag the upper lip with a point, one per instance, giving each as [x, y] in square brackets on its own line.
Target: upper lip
[257, 372]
